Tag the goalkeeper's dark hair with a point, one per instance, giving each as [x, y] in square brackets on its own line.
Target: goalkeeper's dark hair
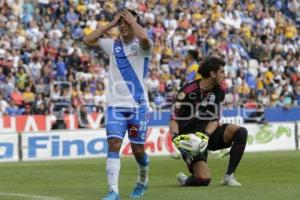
[210, 64]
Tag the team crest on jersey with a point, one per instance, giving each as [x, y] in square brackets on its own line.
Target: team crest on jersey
[133, 48]
[181, 96]
[133, 130]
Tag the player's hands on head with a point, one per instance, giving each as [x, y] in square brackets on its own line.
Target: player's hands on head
[128, 17]
[116, 19]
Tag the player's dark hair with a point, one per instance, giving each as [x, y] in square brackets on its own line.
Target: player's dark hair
[210, 64]
[194, 54]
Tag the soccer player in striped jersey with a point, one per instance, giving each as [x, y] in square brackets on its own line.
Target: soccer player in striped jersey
[197, 110]
[126, 95]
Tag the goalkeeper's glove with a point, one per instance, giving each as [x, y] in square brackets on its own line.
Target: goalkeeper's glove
[176, 140]
[183, 142]
[204, 137]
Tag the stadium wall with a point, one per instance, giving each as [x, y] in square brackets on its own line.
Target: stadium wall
[91, 143]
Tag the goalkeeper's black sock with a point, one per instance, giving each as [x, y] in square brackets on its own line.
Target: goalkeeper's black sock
[193, 181]
[237, 149]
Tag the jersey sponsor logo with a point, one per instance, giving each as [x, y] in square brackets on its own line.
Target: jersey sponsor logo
[181, 96]
[211, 98]
[208, 100]
[118, 49]
[203, 113]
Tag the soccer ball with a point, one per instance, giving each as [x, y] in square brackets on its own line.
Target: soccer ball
[192, 144]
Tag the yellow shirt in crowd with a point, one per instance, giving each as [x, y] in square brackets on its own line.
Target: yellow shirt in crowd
[87, 30]
[259, 84]
[28, 96]
[81, 8]
[268, 77]
[246, 31]
[243, 89]
[192, 72]
[290, 31]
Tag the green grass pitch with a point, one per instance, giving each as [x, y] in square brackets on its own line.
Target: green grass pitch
[265, 176]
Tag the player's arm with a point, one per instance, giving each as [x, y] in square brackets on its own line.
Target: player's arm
[139, 31]
[176, 113]
[92, 39]
[173, 126]
[211, 127]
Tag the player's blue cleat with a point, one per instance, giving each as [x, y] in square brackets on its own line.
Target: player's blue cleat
[138, 191]
[112, 196]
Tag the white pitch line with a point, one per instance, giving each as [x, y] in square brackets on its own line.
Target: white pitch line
[29, 196]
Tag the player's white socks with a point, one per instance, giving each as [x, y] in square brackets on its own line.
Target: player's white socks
[143, 168]
[143, 174]
[113, 165]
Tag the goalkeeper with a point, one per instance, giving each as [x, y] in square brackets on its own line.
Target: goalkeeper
[197, 110]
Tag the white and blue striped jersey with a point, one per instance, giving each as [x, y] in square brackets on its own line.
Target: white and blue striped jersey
[127, 73]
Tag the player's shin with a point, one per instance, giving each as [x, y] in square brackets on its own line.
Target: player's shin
[113, 166]
[237, 149]
[143, 168]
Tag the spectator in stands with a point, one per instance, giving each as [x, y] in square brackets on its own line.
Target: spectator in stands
[61, 69]
[55, 92]
[297, 92]
[82, 116]
[153, 85]
[13, 109]
[284, 102]
[39, 39]
[41, 109]
[28, 96]
[3, 105]
[59, 122]
[17, 97]
[21, 78]
[243, 91]
[258, 116]
[28, 110]
[191, 61]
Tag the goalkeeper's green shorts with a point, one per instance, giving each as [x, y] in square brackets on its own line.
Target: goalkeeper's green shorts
[215, 142]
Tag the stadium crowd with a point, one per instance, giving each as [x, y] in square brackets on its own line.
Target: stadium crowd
[44, 65]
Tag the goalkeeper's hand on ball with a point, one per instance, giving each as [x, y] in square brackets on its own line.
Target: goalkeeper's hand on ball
[191, 143]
